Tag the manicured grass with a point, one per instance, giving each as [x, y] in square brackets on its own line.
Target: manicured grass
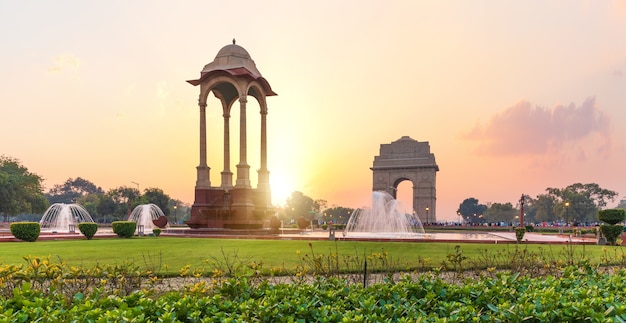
[169, 254]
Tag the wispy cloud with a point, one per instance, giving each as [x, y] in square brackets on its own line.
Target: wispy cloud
[526, 130]
[63, 62]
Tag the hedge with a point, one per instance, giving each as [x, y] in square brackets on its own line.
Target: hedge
[124, 229]
[26, 231]
[88, 229]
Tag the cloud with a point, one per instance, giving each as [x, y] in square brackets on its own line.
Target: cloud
[617, 73]
[63, 62]
[526, 130]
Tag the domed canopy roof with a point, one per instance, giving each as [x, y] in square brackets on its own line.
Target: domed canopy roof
[234, 60]
[233, 50]
[232, 57]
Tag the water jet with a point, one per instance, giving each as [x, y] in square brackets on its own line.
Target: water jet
[62, 217]
[149, 216]
[385, 218]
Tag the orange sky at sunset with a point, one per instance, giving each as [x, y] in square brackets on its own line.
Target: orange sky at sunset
[513, 96]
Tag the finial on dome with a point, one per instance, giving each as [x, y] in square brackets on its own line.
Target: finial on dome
[233, 41]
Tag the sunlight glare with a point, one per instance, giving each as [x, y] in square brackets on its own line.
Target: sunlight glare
[281, 187]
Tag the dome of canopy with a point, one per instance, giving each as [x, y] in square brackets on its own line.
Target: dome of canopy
[230, 57]
[235, 61]
[233, 50]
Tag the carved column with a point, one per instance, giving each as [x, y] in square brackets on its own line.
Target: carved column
[203, 177]
[227, 175]
[243, 169]
[264, 180]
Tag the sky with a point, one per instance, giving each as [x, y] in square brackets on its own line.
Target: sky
[513, 96]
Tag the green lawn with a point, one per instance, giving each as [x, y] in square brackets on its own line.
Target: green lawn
[172, 253]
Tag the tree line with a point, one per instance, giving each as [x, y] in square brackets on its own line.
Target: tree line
[576, 204]
[22, 194]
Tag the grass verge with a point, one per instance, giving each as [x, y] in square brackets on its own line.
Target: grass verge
[167, 255]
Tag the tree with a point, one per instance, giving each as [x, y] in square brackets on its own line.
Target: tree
[500, 212]
[544, 205]
[319, 205]
[299, 205]
[72, 190]
[158, 198]
[580, 202]
[622, 204]
[91, 203]
[20, 190]
[179, 210]
[122, 201]
[472, 211]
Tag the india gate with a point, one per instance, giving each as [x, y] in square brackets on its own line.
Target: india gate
[232, 77]
[407, 159]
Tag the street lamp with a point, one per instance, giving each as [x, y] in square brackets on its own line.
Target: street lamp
[175, 207]
[567, 213]
[427, 208]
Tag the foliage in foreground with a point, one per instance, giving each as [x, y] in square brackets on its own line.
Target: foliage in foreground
[576, 294]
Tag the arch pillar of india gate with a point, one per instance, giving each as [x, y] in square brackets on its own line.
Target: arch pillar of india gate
[232, 77]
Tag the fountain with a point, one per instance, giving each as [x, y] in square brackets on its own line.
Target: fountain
[148, 215]
[61, 217]
[385, 219]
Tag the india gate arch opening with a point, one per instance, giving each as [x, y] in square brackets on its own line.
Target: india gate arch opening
[232, 77]
[407, 159]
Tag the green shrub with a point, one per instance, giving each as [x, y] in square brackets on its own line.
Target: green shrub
[530, 228]
[88, 229]
[519, 233]
[124, 229]
[156, 232]
[612, 216]
[26, 231]
[303, 223]
[611, 232]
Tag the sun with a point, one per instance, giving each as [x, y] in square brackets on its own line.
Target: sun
[281, 187]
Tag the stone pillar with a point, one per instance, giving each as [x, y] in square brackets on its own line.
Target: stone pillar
[203, 170]
[227, 175]
[243, 169]
[263, 186]
[264, 180]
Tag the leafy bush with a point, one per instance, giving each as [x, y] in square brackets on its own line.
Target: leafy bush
[519, 233]
[88, 229]
[577, 295]
[124, 229]
[26, 231]
[530, 228]
[156, 232]
[612, 216]
[611, 232]
[303, 223]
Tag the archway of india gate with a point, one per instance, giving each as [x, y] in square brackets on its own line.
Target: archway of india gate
[232, 77]
[407, 159]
